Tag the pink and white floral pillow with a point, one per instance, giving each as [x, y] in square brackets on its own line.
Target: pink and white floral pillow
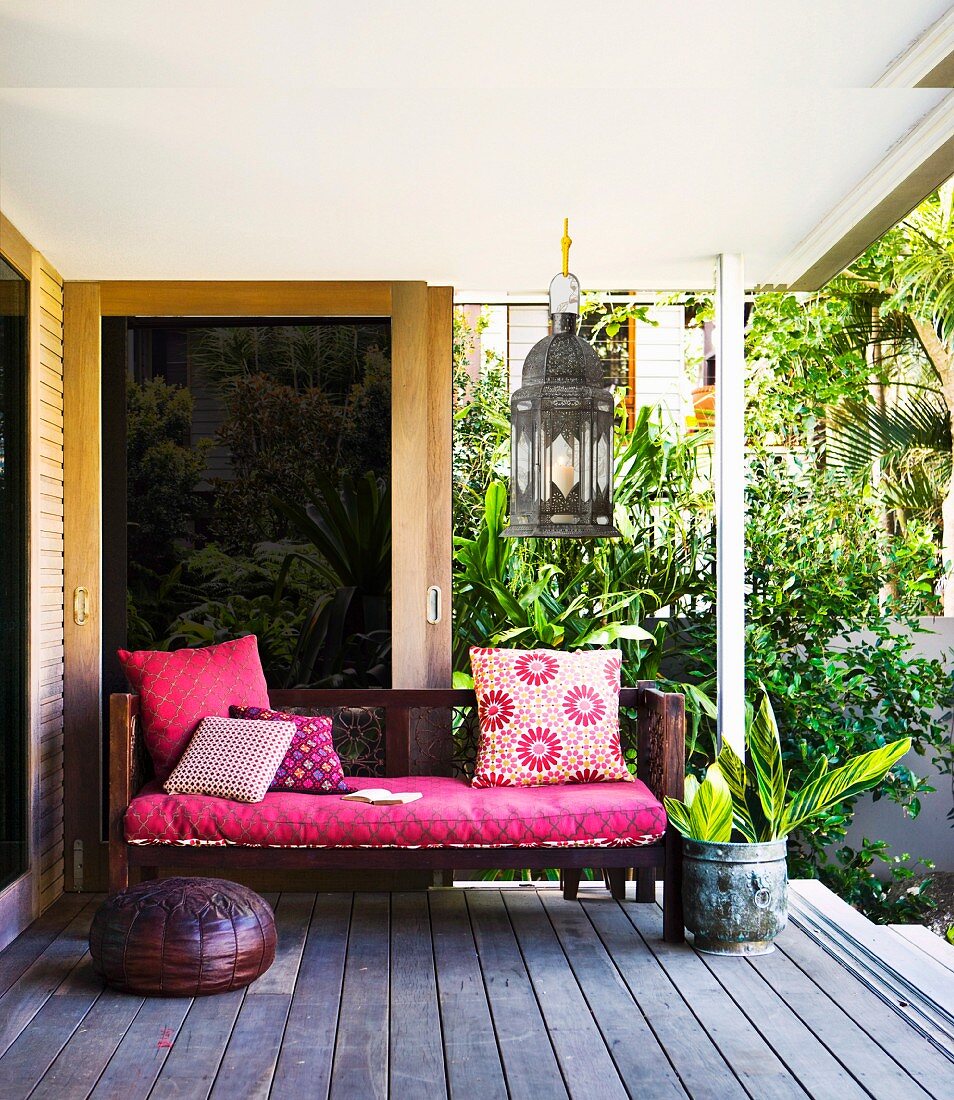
[547, 717]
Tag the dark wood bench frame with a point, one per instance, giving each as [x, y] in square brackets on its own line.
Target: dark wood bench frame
[659, 730]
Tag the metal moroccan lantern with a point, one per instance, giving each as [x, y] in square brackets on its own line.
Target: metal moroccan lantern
[561, 424]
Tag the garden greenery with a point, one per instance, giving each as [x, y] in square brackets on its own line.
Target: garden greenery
[836, 596]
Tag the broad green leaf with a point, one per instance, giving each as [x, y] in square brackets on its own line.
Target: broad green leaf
[766, 752]
[463, 680]
[678, 814]
[829, 790]
[691, 789]
[604, 635]
[710, 816]
[733, 770]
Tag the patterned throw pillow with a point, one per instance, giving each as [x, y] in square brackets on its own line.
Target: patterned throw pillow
[231, 759]
[547, 717]
[311, 765]
[178, 689]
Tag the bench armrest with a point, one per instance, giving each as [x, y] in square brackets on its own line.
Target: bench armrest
[661, 732]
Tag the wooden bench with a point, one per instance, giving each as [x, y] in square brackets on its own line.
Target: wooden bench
[383, 733]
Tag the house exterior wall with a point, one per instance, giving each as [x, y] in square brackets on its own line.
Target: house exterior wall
[660, 375]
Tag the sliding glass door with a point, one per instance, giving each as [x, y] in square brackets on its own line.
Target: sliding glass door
[13, 620]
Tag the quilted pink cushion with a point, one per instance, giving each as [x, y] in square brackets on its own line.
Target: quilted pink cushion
[178, 689]
[547, 717]
[451, 814]
[311, 765]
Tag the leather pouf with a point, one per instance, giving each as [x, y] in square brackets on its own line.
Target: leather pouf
[183, 937]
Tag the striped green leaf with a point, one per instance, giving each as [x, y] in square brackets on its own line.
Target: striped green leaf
[710, 815]
[678, 814]
[830, 788]
[691, 789]
[766, 752]
[733, 769]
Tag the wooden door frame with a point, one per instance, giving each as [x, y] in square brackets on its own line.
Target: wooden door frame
[421, 423]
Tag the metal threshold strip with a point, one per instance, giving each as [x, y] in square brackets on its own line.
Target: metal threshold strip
[916, 987]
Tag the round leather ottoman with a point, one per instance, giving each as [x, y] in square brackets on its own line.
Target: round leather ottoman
[183, 937]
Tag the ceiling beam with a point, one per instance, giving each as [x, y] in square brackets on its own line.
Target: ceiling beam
[914, 166]
[927, 63]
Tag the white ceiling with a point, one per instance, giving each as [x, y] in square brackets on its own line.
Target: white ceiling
[442, 140]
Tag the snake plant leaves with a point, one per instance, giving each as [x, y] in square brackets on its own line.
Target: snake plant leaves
[710, 815]
[830, 788]
[766, 751]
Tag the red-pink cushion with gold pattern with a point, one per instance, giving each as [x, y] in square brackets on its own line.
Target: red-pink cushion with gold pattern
[547, 717]
[451, 814]
[178, 689]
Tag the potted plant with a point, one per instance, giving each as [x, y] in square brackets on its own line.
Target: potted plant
[736, 825]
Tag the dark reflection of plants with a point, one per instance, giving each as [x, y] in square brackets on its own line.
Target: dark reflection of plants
[346, 636]
[304, 410]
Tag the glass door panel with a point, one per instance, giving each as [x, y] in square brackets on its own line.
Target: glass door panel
[13, 623]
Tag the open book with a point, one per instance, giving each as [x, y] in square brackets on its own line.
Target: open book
[378, 796]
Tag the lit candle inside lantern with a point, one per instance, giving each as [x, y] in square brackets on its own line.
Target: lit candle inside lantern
[564, 475]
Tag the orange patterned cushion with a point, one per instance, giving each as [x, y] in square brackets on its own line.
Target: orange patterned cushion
[547, 717]
[231, 758]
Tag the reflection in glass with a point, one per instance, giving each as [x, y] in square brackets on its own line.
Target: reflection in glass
[13, 734]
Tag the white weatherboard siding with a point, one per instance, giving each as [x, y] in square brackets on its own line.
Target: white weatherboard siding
[660, 363]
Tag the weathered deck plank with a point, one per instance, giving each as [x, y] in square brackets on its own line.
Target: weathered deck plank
[248, 1064]
[416, 1049]
[469, 994]
[360, 1067]
[579, 1046]
[190, 1069]
[134, 1067]
[18, 956]
[519, 1024]
[27, 995]
[473, 1064]
[304, 1065]
[920, 1058]
[35, 1048]
[756, 987]
[701, 1067]
[753, 1060]
[640, 1061]
[79, 1065]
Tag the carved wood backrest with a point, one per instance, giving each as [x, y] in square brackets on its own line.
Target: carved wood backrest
[381, 732]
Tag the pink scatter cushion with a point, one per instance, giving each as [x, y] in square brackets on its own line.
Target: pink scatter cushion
[178, 689]
[311, 765]
[547, 717]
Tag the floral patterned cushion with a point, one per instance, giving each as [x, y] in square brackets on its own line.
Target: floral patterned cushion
[311, 765]
[177, 689]
[231, 759]
[547, 717]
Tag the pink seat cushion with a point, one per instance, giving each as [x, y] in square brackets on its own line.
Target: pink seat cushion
[178, 689]
[451, 814]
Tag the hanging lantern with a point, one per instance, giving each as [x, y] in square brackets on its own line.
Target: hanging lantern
[561, 430]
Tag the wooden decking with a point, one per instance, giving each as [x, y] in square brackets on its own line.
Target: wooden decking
[465, 993]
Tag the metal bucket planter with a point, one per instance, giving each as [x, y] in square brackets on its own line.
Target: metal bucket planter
[735, 896]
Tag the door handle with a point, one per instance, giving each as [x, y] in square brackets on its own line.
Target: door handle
[434, 602]
[80, 605]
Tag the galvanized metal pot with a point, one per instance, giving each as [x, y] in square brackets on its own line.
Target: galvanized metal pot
[735, 896]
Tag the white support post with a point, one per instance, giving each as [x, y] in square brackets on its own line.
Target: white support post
[730, 498]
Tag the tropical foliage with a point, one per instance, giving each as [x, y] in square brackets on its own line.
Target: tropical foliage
[753, 802]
